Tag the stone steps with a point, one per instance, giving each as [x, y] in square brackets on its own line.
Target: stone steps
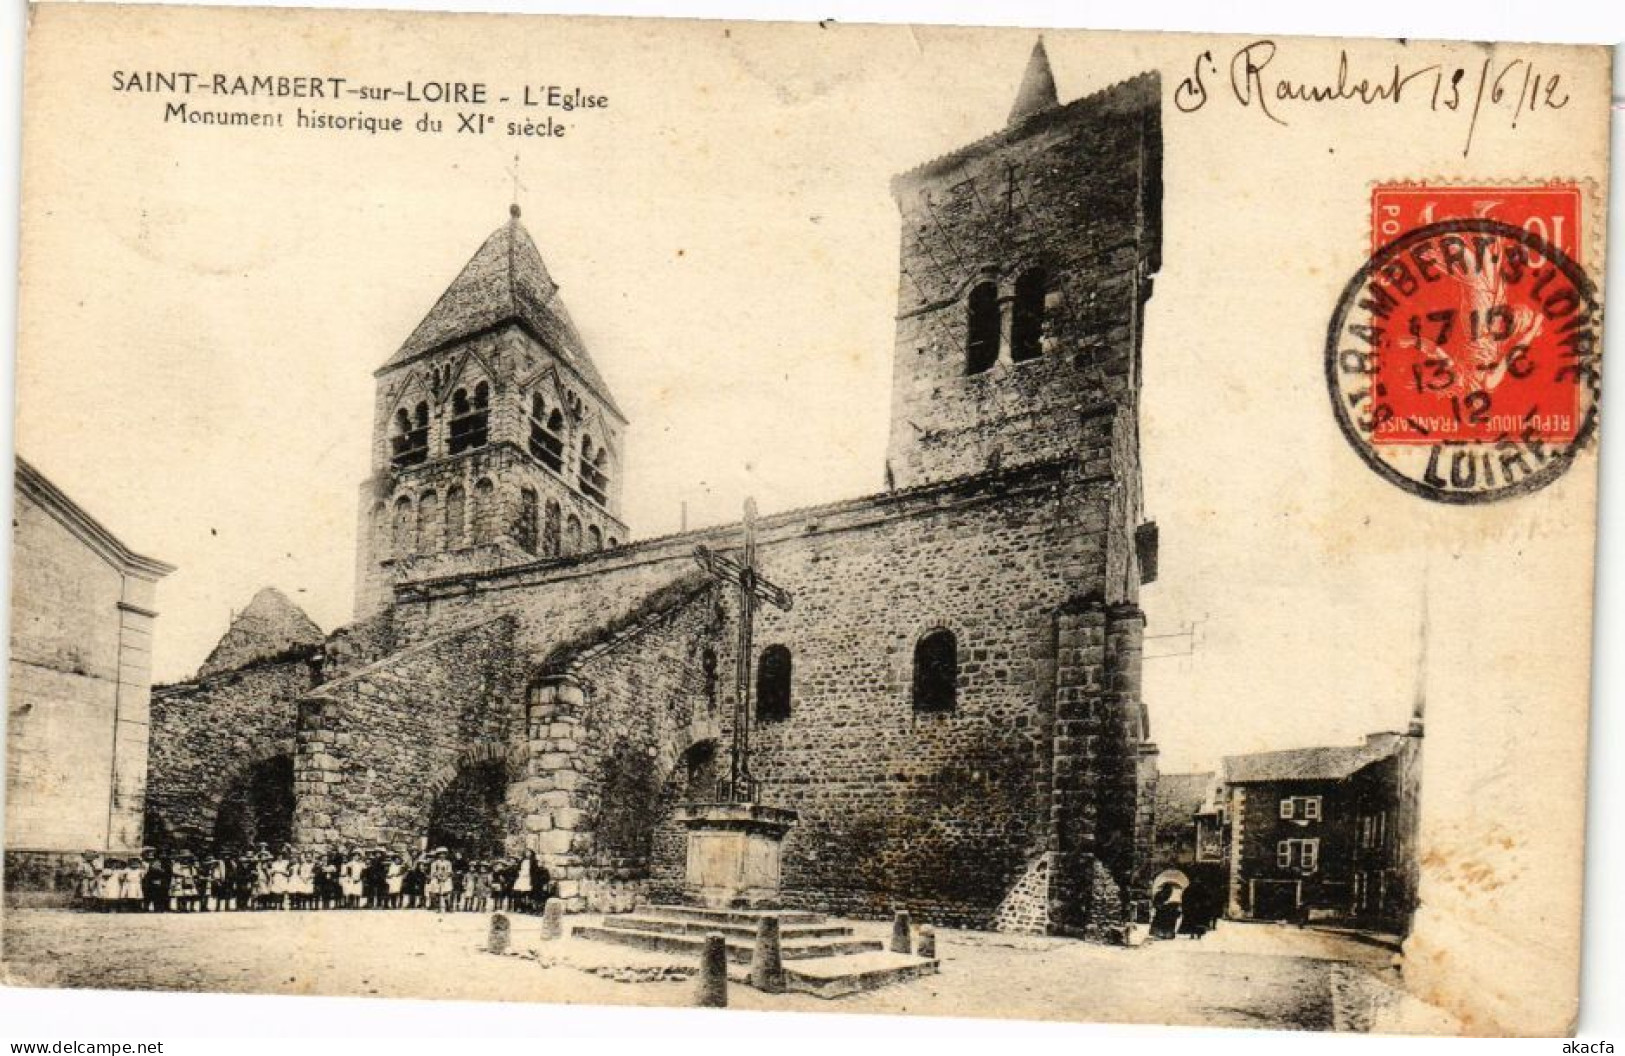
[829, 977]
[739, 948]
[745, 917]
[745, 932]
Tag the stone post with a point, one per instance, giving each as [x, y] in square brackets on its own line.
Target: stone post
[712, 989]
[553, 919]
[928, 942]
[766, 960]
[901, 939]
[497, 942]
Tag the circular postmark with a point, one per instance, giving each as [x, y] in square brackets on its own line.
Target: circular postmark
[1463, 361]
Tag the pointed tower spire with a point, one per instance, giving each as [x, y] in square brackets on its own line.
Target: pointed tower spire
[1037, 92]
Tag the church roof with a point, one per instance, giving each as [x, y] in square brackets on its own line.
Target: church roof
[271, 626]
[1037, 91]
[505, 281]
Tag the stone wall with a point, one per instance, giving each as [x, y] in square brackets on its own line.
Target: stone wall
[208, 735]
[77, 712]
[938, 812]
[1074, 192]
[376, 746]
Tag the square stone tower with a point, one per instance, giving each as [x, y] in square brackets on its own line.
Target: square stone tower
[495, 439]
[1027, 258]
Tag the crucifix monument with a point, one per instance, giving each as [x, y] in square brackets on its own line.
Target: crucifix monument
[734, 845]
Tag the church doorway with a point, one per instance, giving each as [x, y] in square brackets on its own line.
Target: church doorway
[466, 816]
[257, 807]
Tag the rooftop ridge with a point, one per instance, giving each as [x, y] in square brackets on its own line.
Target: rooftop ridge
[1008, 132]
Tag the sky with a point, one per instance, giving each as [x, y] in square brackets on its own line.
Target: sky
[203, 309]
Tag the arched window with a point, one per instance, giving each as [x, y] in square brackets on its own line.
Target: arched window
[484, 513]
[936, 672]
[455, 517]
[595, 538]
[401, 539]
[410, 444]
[470, 418]
[381, 532]
[429, 523]
[550, 529]
[572, 536]
[525, 530]
[546, 435]
[773, 684]
[612, 542]
[1027, 317]
[982, 328]
[594, 480]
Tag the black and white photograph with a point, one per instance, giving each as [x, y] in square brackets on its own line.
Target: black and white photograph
[805, 517]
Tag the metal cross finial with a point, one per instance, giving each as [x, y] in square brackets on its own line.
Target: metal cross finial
[518, 185]
[753, 589]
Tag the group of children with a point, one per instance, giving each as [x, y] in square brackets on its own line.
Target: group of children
[353, 879]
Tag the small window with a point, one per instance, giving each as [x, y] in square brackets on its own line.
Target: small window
[595, 538]
[594, 478]
[612, 542]
[1283, 854]
[546, 435]
[551, 529]
[455, 515]
[410, 444]
[403, 525]
[1309, 855]
[526, 529]
[773, 685]
[1027, 317]
[1287, 808]
[484, 511]
[936, 672]
[470, 418]
[428, 523]
[982, 334]
[572, 536]
[1311, 808]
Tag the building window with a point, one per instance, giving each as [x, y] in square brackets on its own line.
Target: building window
[594, 478]
[470, 418]
[401, 539]
[551, 529]
[595, 538]
[1027, 317]
[546, 435]
[936, 672]
[572, 536]
[484, 517]
[773, 684]
[428, 523]
[410, 444]
[1298, 854]
[1300, 808]
[455, 515]
[982, 328]
[526, 529]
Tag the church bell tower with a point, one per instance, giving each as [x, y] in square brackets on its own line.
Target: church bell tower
[1027, 259]
[495, 439]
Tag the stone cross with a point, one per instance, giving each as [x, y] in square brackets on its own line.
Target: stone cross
[753, 590]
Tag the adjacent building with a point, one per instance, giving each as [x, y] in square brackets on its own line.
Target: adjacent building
[82, 617]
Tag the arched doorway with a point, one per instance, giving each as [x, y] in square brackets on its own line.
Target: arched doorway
[257, 806]
[466, 816]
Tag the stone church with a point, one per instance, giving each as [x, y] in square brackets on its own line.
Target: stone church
[952, 705]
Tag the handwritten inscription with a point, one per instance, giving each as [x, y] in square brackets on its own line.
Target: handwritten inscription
[1514, 88]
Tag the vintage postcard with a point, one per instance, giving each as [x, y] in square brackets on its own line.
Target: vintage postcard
[809, 517]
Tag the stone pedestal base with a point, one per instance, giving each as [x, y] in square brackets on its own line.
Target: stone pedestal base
[733, 853]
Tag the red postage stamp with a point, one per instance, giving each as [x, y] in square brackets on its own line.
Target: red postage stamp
[1473, 342]
[1463, 356]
